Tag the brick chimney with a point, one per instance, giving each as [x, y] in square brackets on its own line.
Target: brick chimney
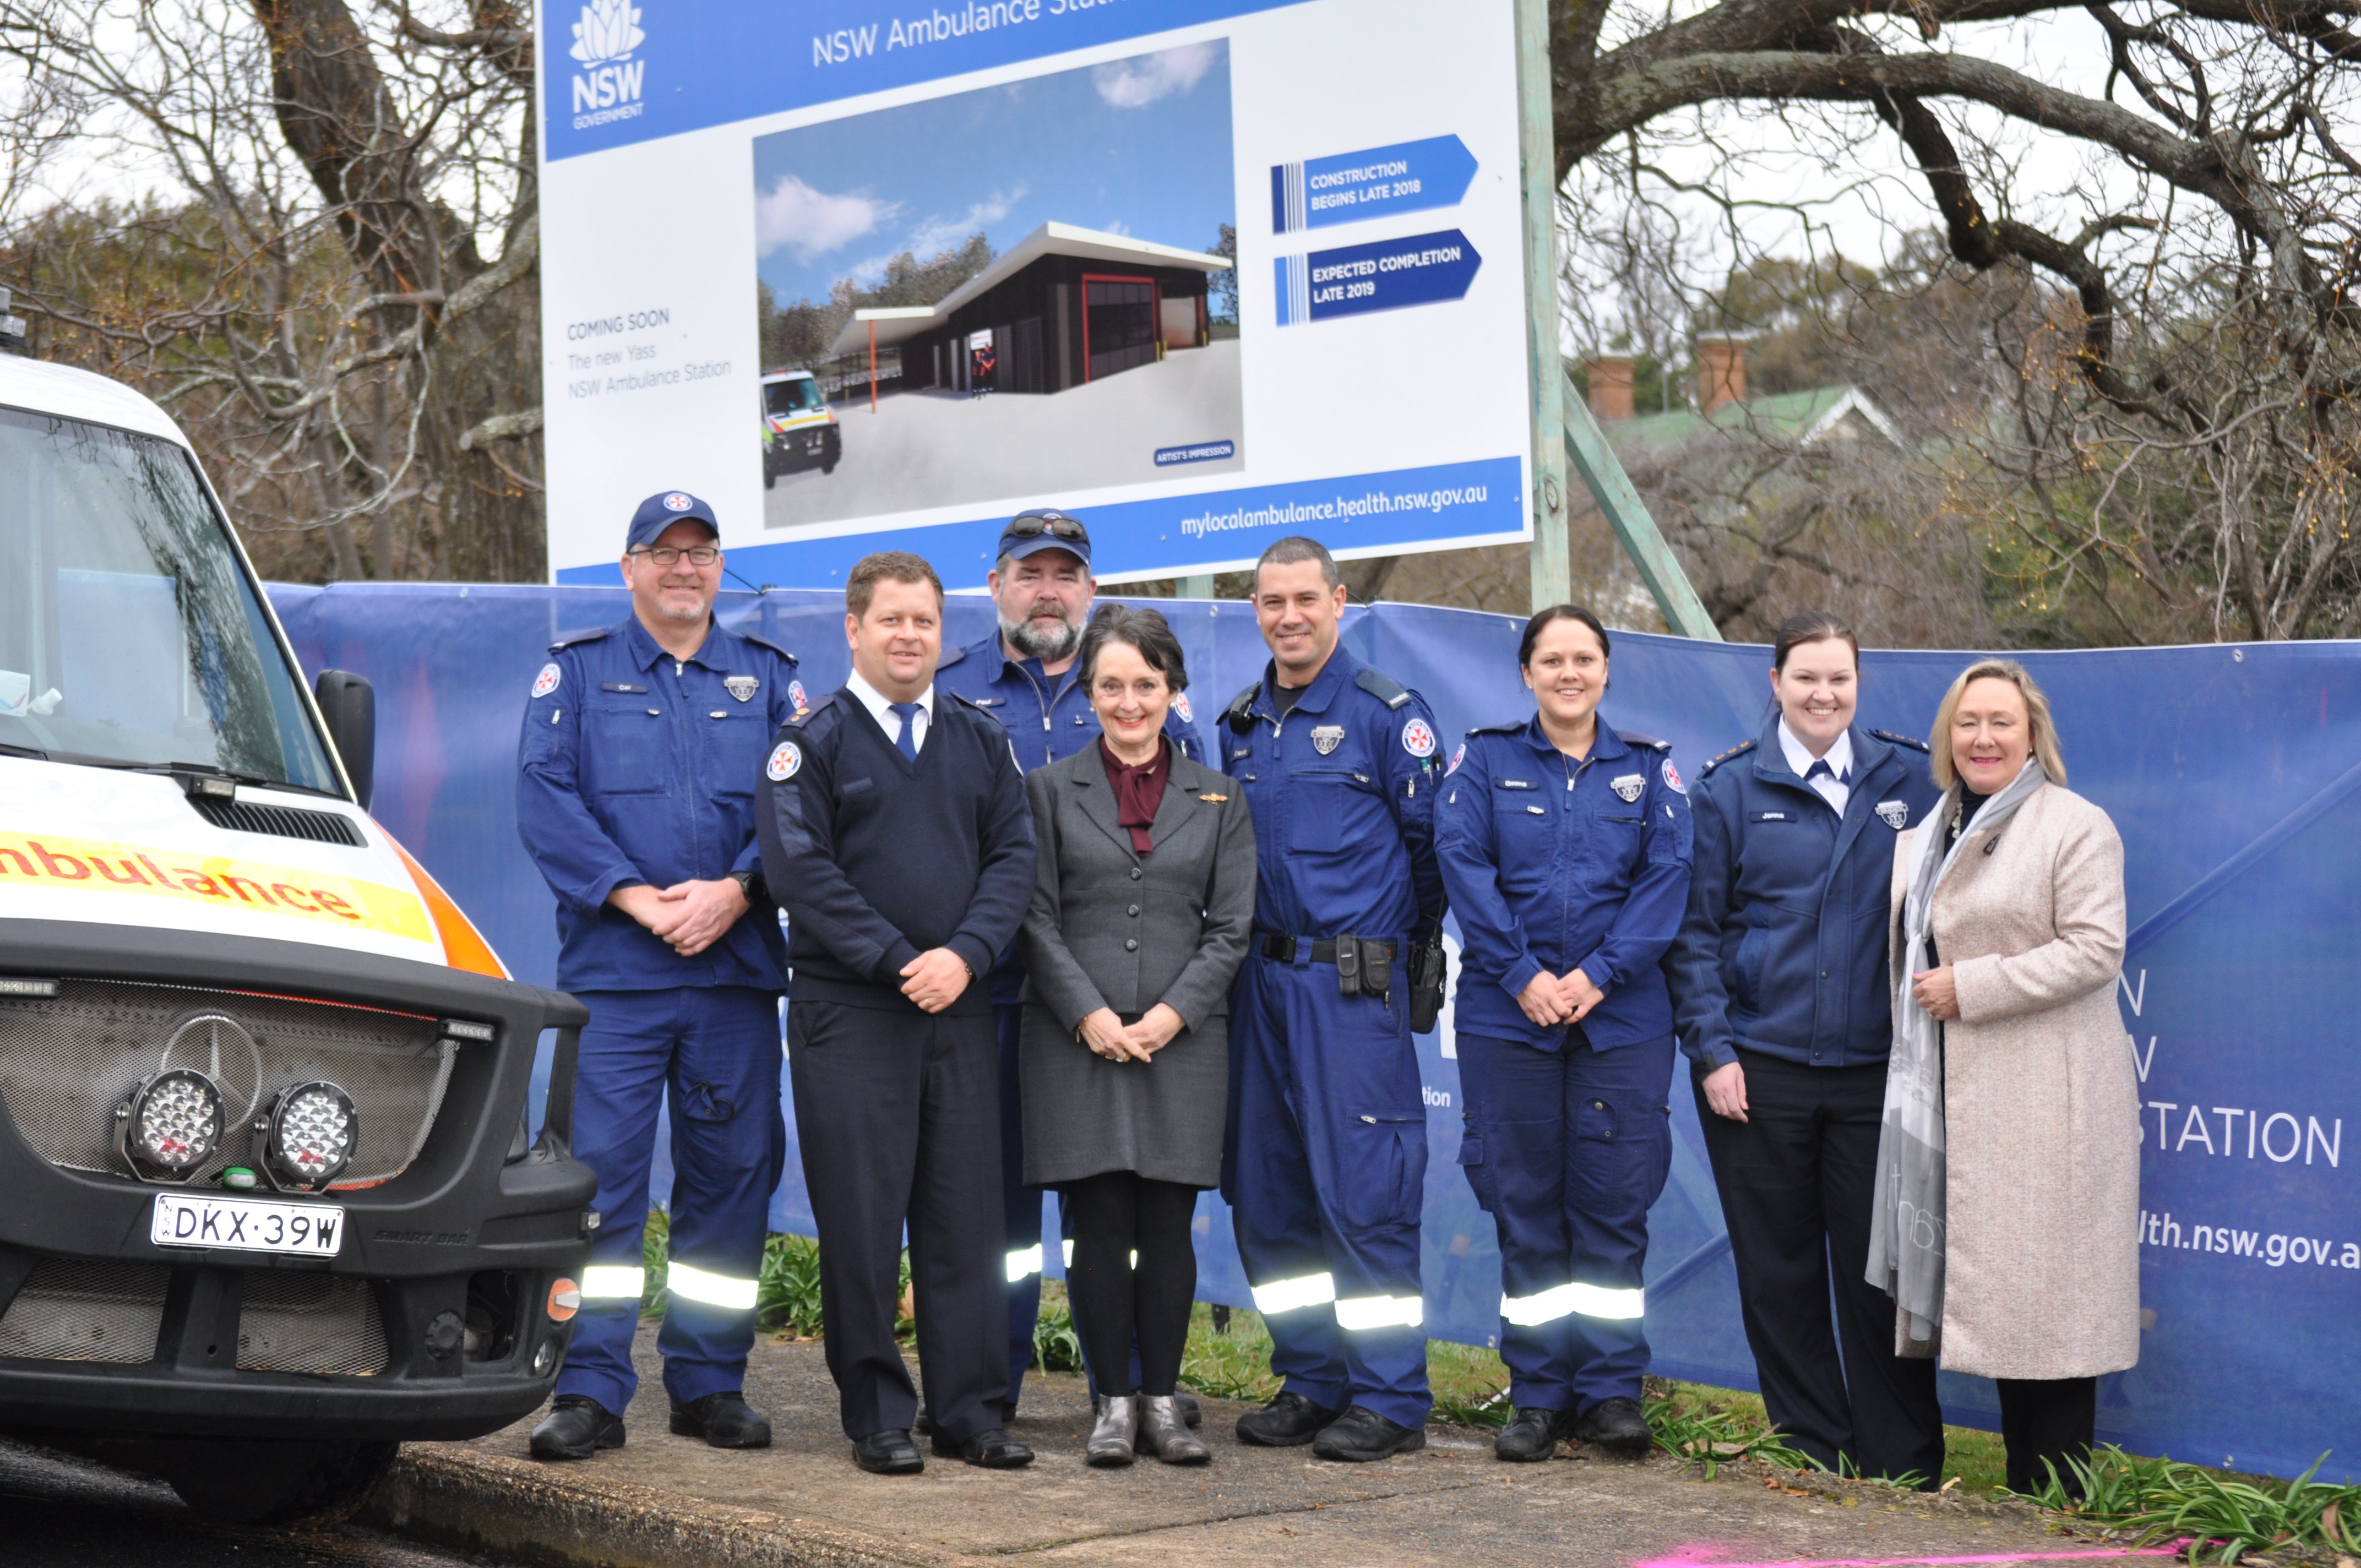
[1720, 371]
[1611, 388]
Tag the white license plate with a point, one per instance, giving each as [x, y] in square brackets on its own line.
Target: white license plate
[247, 1225]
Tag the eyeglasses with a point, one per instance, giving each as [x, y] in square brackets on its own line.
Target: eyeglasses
[1055, 524]
[665, 556]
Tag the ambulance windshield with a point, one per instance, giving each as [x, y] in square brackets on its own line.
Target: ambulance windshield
[796, 396]
[129, 632]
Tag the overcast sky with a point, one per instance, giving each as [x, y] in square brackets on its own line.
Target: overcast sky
[1139, 147]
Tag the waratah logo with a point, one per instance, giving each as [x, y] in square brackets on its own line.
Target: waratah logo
[608, 86]
[610, 30]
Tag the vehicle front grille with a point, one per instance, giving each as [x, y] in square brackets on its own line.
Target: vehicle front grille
[285, 821]
[309, 1322]
[67, 1061]
[75, 1310]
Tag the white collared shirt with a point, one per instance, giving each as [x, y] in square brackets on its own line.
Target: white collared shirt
[1833, 787]
[881, 709]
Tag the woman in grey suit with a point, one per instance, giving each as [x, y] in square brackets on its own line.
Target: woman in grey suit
[1142, 904]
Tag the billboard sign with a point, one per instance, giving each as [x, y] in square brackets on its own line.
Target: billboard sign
[1204, 272]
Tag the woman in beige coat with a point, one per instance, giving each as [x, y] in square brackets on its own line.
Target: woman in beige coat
[2011, 1245]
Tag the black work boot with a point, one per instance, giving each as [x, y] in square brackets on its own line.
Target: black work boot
[992, 1449]
[1531, 1436]
[577, 1427]
[1616, 1425]
[1361, 1435]
[1288, 1421]
[723, 1420]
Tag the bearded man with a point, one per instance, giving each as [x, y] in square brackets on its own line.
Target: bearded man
[1024, 673]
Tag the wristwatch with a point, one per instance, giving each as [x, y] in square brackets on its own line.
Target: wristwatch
[751, 884]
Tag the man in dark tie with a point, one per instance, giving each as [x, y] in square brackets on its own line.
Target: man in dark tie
[895, 830]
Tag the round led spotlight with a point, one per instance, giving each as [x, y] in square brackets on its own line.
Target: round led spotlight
[171, 1124]
[311, 1136]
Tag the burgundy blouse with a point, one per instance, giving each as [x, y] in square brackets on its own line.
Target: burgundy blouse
[1137, 791]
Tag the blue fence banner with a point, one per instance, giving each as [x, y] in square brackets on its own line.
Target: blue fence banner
[1407, 177]
[1386, 275]
[2234, 774]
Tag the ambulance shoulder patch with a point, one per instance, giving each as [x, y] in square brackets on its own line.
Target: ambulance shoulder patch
[1417, 738]
[786, 756]
[1180, 707]
[1673, 777]
[1459, 755]
[546, 681]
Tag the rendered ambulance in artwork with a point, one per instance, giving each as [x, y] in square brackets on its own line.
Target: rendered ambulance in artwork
[272, 1208]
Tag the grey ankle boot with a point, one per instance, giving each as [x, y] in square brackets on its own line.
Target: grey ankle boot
[1118, 1426]
[1165, 1434]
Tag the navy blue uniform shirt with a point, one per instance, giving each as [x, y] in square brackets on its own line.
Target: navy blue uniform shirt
[1782, 950]
[878, 858]
[1343, 790]
[1048, 717]
[1557, 864]
[636, 767]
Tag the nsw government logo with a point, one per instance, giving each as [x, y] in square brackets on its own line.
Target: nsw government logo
[606, 87]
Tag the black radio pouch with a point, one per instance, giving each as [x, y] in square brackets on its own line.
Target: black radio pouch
[1377, 970]
[1348, 966]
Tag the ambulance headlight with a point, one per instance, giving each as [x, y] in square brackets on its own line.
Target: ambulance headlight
[311, 1136]
[172, 1123]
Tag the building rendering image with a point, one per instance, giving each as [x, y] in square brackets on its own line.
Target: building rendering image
[1062, 308]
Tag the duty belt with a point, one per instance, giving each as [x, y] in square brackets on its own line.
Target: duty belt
[1364, 964]
[1284, 948]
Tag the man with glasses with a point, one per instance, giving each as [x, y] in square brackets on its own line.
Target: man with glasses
[642, 745]
[1024, 674]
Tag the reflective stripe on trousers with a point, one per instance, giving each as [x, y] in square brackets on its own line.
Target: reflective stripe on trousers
[1563, 1301]
[693, 1284]
[1024, 1263]
[613, 1282]
[1287, 1295]
[1360, 1313]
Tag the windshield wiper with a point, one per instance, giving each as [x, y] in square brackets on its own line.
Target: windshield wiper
[33, 751]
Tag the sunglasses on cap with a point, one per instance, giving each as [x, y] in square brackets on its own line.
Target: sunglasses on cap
[1057, 525]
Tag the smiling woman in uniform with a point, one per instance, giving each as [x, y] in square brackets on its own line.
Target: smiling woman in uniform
[1779, 982]
[1565, 846]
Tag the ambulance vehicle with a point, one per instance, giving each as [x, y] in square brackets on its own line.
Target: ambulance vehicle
[271, 1208]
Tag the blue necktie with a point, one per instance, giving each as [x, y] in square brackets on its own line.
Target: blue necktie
[1821, 768]
[907, 740]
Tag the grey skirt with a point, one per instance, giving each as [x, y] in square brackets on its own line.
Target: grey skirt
[1086, 1116]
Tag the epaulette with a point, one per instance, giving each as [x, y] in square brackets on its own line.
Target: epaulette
[1633, 738]
[575, 638]
[1911, 741]
[1514, 728]
[1737, 750]
[1382, 687]
[758, 640]
[804, 718]
[1239, 715]
[953, 657]
[979, 707]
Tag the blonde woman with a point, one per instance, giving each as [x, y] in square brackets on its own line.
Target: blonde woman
[2008, 1204]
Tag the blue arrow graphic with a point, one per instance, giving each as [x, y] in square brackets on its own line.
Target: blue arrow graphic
[1407, 177]
[1421, 270]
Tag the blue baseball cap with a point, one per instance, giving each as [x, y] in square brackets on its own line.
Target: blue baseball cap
[662, 509]
[1044, 527]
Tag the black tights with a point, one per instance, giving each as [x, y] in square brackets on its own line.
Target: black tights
[2047, 1419]
[1117, 1215]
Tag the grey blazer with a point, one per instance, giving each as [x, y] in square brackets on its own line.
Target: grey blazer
[1112, 928]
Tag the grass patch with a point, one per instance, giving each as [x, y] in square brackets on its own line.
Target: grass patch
[2160, 1499]
[2153, 1500]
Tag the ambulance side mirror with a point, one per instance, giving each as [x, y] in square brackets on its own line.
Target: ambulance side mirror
[349, 704]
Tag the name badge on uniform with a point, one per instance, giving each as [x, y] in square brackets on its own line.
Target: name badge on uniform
[1629, 787]
[1326, 738]
[742, 688]
[1895, 814]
